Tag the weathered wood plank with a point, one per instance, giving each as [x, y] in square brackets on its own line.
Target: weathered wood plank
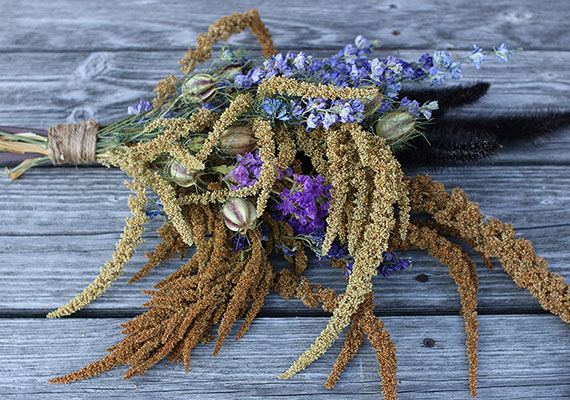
[60, 225]
[41, 273]
[94, 200]
[523, 357]
[34, 25]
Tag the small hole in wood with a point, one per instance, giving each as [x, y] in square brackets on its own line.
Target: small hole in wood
[428, 342]
[421, 278]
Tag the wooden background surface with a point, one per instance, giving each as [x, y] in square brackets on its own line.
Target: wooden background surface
[66, 61]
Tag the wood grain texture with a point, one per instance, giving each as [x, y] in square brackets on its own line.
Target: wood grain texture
[528, 362]
[67, 221]
[34, 25]
[65, 61]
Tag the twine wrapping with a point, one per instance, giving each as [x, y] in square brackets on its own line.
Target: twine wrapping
[73, 143]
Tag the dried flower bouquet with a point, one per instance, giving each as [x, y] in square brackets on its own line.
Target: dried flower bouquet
[297, 154]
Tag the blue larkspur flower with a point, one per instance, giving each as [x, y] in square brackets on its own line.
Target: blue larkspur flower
[477, 56]
[436, 77]
[502, 52]
[427, 108]
[455, 70]
[411, 106]
[275, 108]
[242, 81]
[442, 59]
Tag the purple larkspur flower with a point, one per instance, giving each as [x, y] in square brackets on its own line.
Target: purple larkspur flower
[242, 81]
[141, 107]
[436, 77]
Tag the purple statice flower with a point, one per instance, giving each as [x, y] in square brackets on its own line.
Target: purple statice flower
[275, 108]
[246, 171]
[477, 56]
[141, 107]
[286, 172]
[305, 206]
[502, 52]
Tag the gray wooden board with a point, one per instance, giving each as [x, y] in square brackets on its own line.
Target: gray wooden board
[61, 225]
[530, 361]
[64, 61]
[35, 25]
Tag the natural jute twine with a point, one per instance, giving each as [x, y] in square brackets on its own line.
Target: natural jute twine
[73, 143]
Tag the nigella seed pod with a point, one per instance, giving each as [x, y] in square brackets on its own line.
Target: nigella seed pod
[199, 88]
[229, 71]
[180, 175]
[237, 140]
[395, 126]
[196, 144]
[239, 215]
[372, 103]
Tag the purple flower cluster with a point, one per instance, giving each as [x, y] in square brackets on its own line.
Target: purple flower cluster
[315, 112]
[391, 263]
[246, 171]
[477, 56]
[141, 107]
[306, 205]
[442, 63]
[325, 113]
[414, 108]
[349, 67]
[243, 242]
[276, 108]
